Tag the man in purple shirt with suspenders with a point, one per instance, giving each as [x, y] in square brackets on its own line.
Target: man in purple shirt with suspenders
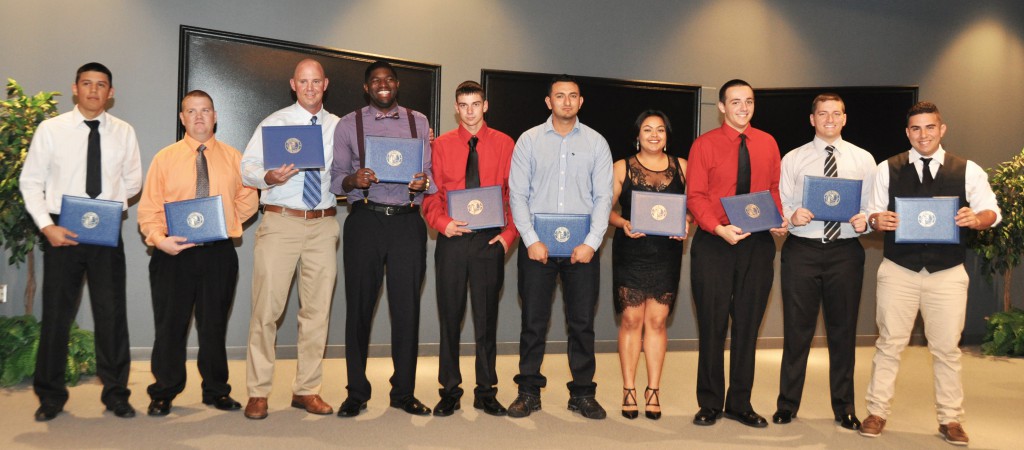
[383, 234]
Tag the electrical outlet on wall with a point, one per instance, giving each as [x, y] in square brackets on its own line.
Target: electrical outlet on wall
[3, 293]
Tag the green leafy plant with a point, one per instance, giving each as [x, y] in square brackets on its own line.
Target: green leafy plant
[19, 116]
[1005, 334]
[1001, 248]
[19, 343]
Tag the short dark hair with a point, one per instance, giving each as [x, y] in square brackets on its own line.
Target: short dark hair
[826, 97]
[469, 87]
[564, 78]
[648, 113]
[923, 108]
[729, 84]
[377, 65]
[196, 93]
[94, 67]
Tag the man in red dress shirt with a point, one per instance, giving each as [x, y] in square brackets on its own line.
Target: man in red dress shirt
[732, 269]
[473, 155]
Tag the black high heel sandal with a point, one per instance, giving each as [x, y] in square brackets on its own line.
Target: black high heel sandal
[652, 399]
[628, 395]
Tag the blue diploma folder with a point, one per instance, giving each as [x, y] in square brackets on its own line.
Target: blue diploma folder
[302, 145]
[927, 220]
[658, 213]
[394, 160]
[752, 212]
[833, 199]
[561, 233]
[199, 220]
[95, 221]
[480, 207]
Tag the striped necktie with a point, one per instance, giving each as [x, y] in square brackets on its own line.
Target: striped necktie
[202, 173]
[311, 184]
[831, 227]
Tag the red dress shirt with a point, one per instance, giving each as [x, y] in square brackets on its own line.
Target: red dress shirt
[712, 166]
[449, 153]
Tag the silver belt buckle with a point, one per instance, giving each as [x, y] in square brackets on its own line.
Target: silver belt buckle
[390, 210]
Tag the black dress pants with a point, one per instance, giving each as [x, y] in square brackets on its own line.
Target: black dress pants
[827, 277]
[729, 281]
[63, 269]
[202, 280]
[375, 245]
[580, 284]
[458, 260]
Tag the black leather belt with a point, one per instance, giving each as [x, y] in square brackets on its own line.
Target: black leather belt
[821, 242]
[387, 210]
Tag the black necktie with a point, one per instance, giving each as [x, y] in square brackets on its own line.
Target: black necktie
[743, 174]
[831, 227]
[926, 172]
[202, 173]
[93, 169]
[472, 165]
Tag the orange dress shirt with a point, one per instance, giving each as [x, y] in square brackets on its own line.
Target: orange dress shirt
[172, 177]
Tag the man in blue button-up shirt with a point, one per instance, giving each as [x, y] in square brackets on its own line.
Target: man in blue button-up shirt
[559, 167]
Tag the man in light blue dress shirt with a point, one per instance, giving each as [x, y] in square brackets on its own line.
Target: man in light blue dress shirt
[559, 167]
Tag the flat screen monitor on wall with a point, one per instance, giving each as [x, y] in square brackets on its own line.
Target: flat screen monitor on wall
[247, 76]
[876, 116]
[610, 106]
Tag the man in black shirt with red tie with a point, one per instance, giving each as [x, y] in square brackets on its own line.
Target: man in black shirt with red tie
[471, 156]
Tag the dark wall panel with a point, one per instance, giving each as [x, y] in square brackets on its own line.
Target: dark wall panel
[247, 77]
[610, 106]
[876, 116]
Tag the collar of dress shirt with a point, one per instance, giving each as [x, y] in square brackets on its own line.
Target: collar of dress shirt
[549, 125]
[820, 144]
[464, 134]
[80, 119]
[319, 114]
[939, 156]
[732, 134]
[194, 144]
[372, 110]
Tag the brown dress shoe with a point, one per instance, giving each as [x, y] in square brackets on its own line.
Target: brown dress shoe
[256, 408]
[313, 404]
[872, 426]
[954, 433]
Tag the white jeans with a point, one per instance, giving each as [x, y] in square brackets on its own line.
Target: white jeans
[941, 297]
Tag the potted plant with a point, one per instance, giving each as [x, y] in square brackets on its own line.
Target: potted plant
[19, 336]
[1001, 249]
[19, 116]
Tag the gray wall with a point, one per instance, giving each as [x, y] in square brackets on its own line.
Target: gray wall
[968, 57]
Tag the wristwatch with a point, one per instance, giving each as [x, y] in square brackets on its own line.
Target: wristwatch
[874, 222]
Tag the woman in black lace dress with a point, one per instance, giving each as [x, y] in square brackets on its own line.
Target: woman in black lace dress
[645, 269]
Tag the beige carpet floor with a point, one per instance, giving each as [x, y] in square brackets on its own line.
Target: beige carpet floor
[994, 404]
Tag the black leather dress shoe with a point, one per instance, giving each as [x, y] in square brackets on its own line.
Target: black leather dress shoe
[523, 405]
[411, 406]
[223, 403]
[47, 411]
[490, 405]
[783, 416]
[159, 407]
[707, 416]
[447, 406]
[848, 421]
[122, 409]
[351, 407]
[588, 407]
[748, 418]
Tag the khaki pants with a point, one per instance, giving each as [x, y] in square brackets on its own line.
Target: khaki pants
[941, 297]
[281, 243]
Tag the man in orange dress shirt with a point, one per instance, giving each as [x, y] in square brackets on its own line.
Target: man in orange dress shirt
[472, 155]
[186, 277]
